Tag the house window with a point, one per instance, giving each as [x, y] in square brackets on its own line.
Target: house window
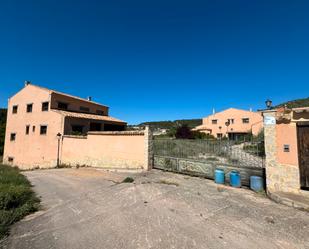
[245, 120]
[27, 129]
[33, 128]
[45, 106]
[214, 121]
[219, 135]
[100, 112]
[13, 137]
[231, 121]
[29, 107]
[62, 106]
[15, 108]
[43, 129]
[84, 109]
[10, 159]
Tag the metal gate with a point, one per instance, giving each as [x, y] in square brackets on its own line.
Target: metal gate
[202, 157]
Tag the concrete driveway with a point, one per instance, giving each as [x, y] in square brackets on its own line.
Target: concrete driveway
[88, 208]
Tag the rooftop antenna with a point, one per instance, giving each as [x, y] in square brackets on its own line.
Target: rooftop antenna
[213, 111]
[250, 109]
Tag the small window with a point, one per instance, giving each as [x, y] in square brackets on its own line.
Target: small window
[214, 121]
[10, 159]
[245, 120]
[84, 109]
[100, 112]
[219, 135]
[231, 121]
[33, 128]
[45, 106]
[27, 129]
[29, 107]
[43, 130]
[13, 137]
[62, 106]
[15, 109]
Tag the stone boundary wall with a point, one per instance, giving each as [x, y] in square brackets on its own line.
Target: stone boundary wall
[109, 149]
[205, 169]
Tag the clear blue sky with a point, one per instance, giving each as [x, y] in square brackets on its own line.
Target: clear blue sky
[158, 60]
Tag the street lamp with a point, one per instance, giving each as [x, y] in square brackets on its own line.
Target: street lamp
[58, 152]
[268, 103]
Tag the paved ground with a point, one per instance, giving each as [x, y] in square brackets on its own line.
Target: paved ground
[86, 208]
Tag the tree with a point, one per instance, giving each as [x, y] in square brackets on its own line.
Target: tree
[183, 132]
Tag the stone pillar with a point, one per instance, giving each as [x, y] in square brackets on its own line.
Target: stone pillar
[148, 149]
[270, 149]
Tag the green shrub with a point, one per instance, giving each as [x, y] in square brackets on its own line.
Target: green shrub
[16, 198]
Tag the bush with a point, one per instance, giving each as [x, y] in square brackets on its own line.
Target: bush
[184, 132]
[128, 180]
[16, 198]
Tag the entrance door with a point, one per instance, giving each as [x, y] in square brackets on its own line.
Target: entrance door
[303, 154]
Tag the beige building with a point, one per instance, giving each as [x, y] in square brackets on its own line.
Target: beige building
[233, 123]
[38, 117]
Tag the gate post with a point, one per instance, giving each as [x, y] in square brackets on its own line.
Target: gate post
[148, 148]
[270, 148]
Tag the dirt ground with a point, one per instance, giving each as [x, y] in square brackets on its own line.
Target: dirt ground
[89, 208]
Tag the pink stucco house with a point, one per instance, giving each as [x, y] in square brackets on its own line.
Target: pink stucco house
[36, 115]
[232, 122]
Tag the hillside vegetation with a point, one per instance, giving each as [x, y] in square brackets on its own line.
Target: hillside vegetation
[2, 128]
[295, 103]
[171, 124]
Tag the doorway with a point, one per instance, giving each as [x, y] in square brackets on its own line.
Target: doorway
[303, 155]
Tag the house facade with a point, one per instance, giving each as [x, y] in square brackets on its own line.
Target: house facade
[232, 123]
[38, 117]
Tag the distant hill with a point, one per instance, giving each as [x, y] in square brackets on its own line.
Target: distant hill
[170, 124]
[295, 103]
[2, 128]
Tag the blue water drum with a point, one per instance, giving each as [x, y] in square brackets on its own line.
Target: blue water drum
[256, 183]
[235, 179]
[219, 176]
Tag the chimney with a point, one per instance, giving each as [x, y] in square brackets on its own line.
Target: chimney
[89, 98]
[27, 82]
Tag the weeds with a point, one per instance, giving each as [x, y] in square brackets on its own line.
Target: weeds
[128, 180]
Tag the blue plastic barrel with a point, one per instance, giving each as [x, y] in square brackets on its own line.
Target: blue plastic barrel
[235, 179]
[219, 176]
[256, 183]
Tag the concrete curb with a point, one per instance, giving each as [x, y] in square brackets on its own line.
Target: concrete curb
[288, 202]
